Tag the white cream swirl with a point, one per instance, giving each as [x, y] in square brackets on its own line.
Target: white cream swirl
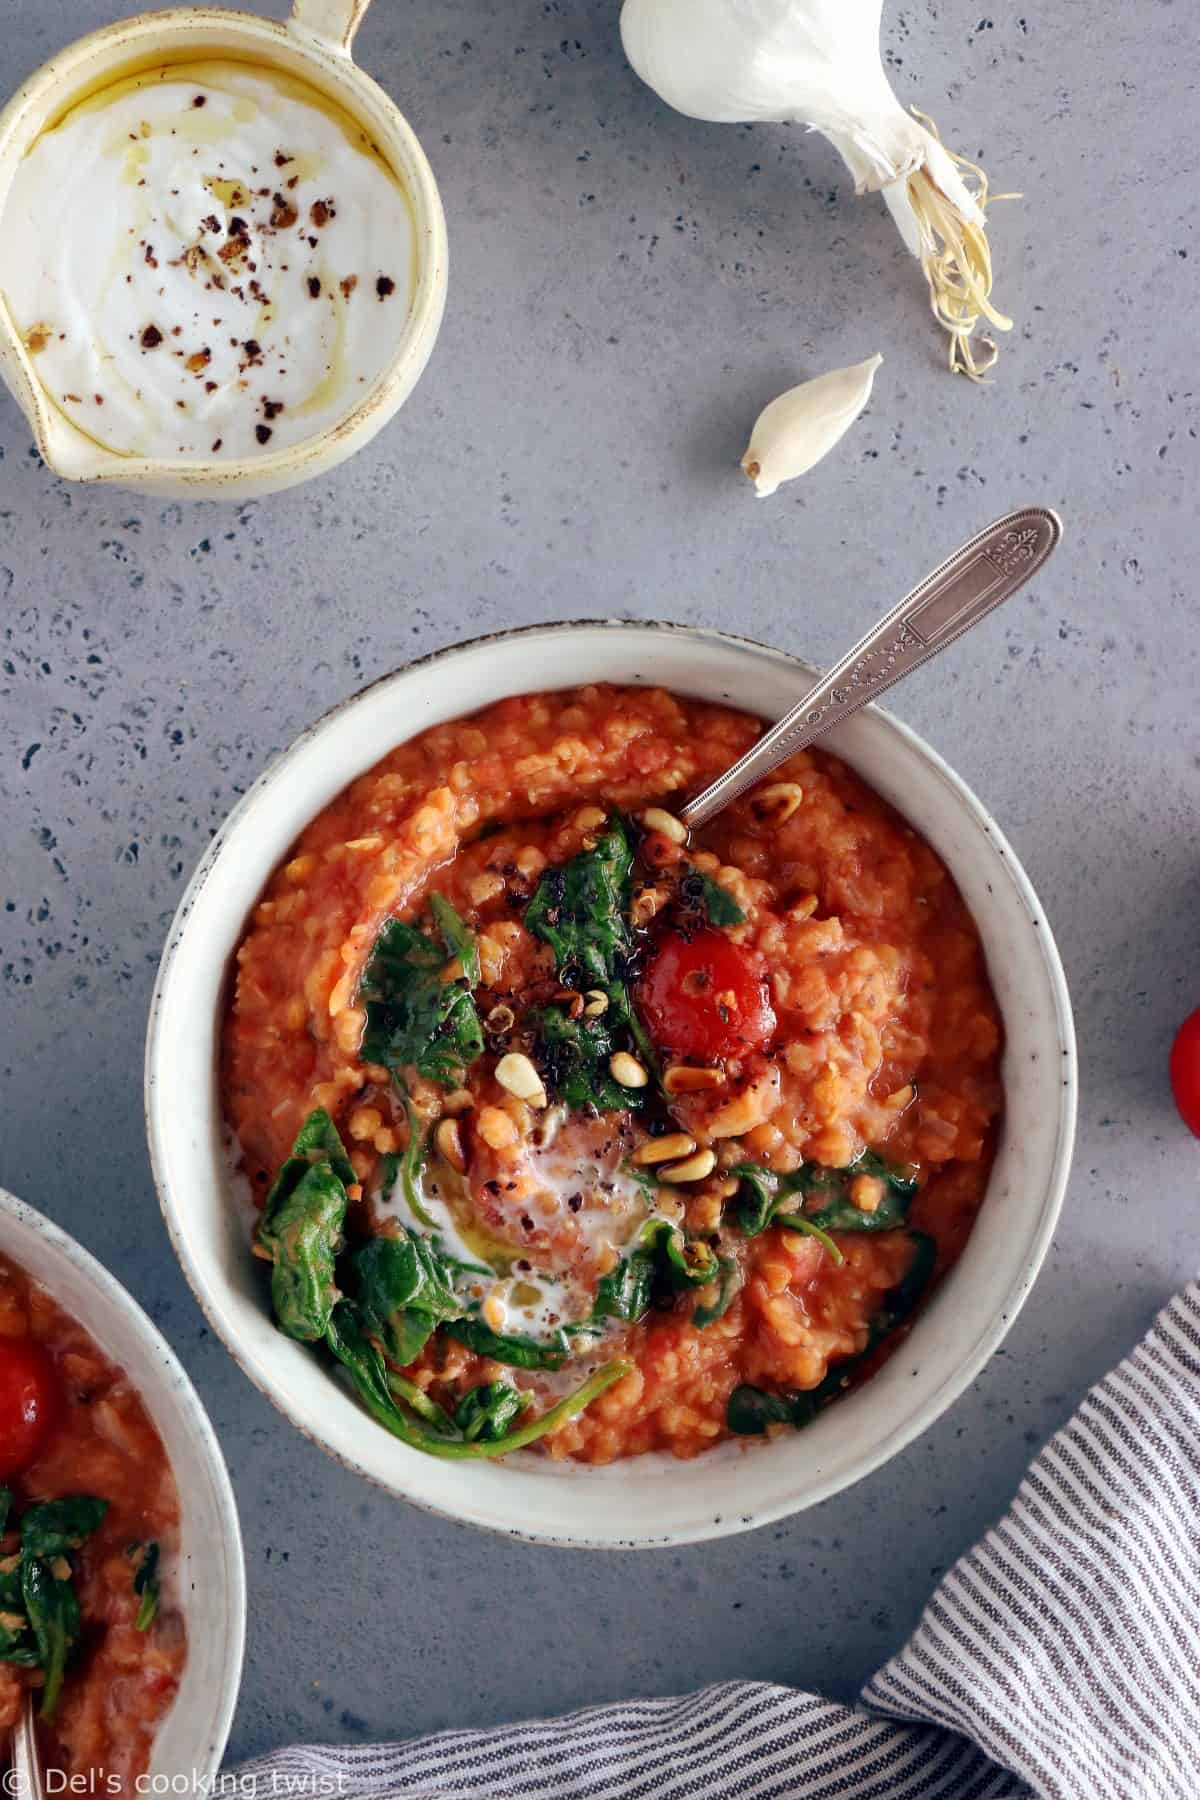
[207, 261]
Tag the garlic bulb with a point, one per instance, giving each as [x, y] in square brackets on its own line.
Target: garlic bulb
[817, 62]
[800, 427]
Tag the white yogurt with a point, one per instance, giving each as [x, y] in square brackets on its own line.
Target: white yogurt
[207, 261]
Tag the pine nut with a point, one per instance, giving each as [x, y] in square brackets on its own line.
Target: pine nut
[682, 1078]
[772, 805]
[693, 1168]
[595, 1003]
[449, 1142]
[663, 1149]
[517, 1075]
[627, 1070]
[866, 1193]
[645, 904]
[655, 819]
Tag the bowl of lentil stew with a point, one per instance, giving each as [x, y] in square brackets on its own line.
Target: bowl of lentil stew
[117, 1503]
[817, 1034]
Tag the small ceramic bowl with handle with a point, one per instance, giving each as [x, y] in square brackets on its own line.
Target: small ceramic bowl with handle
[208, 1582]
[313, 47]
[651, 1499]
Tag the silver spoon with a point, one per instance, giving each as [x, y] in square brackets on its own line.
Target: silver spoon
[961, 591]
[26, 1762]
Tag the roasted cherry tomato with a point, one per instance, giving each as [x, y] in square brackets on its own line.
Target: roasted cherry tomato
[1185, 1072]
[28, 1403]
[706, 997]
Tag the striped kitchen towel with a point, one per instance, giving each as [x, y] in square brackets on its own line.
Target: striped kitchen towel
[1060, 1657]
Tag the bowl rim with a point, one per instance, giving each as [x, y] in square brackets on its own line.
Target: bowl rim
[702, 1527]
[202, 1433]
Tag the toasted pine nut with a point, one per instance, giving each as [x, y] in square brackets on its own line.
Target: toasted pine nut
[655, 819]
[901, 1098]
[627, 1070]
[518, 1076]
[772, 805]
[449, 1142]
[645, 904]
[663, 1149]
[459, 1100]
[682, 1078]
[692, 1168]
[866, 1193]
[595, 1003]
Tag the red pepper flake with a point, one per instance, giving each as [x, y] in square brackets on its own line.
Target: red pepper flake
[385, 286]
[210, 387]
[314, 286]
[283, 213]
[199, 360]
[152, 337]
[348, 285]
[292, 181]
[263, 433]
[320, 212]
[77, 398]
[150, 256]
[99, 399]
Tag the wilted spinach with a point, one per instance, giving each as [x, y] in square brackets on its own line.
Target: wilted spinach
[487, 1412]
[751, 1410]
[700, 893]
[405, 1290]
[573, 1055]
[145, 1584]
[385, 1400]
[518, 1352]
[662, 1260]
[581, 909]
[415, 1017]
[302, 1225]
[39, 1609]
[816, 1200]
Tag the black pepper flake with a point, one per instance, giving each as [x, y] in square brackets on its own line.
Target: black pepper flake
[217, 442]
[271, 408]
[210, 387]
[263, 433]
[282, 158]
[252, 347]
[200, 100]
[151, 338]
[314, 286]
[385, 286]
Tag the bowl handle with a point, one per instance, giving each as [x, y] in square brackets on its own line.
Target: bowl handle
[332, 22]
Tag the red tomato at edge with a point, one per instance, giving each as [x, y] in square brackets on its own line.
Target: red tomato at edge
[28, 1403]
[706, 997]
[1185, 1072]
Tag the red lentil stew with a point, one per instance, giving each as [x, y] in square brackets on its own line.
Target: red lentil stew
[568, 1126]
[89, 1516]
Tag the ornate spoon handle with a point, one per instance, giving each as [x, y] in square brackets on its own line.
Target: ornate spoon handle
[961, 591]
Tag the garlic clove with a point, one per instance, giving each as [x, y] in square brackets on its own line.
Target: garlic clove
[796, 430]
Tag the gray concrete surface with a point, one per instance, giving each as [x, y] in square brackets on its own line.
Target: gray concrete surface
[627, 288]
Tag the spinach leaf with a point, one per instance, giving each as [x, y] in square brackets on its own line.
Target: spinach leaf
[146, 1586]
[365, 1367]
[765, 1194]
[53, 1612]
[53, 1527]
[316, 1142]
[306, 1235]
[700, 893]
[487, 1412]
[662, 1258]
[581, 910]
[6, 1501]
[731, 1279]
[626, 1291]
[415, 1018]
[573, 1056]
[517, 1352]
[405, 1291]
[828, 1203]
[689, 1262]
[751, 1410]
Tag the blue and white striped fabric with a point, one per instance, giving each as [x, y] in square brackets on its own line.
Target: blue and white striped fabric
[1058, 1658]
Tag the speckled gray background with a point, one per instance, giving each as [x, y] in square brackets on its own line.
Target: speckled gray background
[627, 288]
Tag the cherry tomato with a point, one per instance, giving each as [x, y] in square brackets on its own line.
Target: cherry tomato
[1185, 1072]
[28, 1403]
[705, 996]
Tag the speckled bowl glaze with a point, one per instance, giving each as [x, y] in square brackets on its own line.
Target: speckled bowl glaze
[314, 46]
[654, 1499]
[210, 1582]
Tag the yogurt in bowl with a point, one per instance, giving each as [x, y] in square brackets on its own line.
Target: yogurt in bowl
[225, 262]
[207, 260]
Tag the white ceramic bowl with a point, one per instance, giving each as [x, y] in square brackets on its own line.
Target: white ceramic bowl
[652, 1499]
[211, 1582]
